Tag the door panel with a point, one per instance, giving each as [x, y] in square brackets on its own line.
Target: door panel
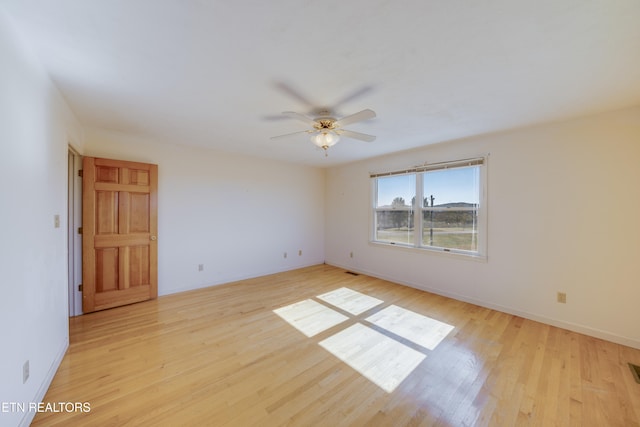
[119, 233]
[106, 212]
[138, 213]
[106, 269]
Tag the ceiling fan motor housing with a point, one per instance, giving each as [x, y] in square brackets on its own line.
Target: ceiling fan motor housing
[325, 123]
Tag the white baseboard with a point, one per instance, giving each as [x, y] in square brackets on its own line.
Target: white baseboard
[44, 386]
[582, 329]
[237, 278]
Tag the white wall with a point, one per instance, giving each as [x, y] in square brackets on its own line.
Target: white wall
[35, 128]
[564, 212]
[235, 214]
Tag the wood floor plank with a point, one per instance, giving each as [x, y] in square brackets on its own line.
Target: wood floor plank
[220, 356]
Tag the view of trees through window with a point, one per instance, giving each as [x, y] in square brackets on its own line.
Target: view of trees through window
[447, 213]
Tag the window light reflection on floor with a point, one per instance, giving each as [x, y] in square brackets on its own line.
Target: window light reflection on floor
[350, 301]
[378, 357]
[310, 317]
[415, 327]
[382, 360]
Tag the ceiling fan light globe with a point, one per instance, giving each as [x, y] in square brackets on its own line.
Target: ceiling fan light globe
[325, 139]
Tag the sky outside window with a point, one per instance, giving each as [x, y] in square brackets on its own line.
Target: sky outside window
[446, 185]
[391, 187]
[453, 185]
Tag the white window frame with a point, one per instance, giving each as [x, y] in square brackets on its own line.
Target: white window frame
[419, 209]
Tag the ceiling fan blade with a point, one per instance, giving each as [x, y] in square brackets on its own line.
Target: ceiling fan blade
[357, 117]
[353, 95]
[286, 135]
[294, 93]
[301, 117]
[356, 135]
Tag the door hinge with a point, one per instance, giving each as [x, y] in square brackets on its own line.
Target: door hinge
[80, 173]
[80, 287]
[79, 230]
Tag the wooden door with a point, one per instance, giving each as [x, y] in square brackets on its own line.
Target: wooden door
[120, 225]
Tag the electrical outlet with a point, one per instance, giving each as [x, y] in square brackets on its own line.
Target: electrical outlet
[25, 372]
[350, 254]
[285, 254]
[562, 297]
[200, 267]
[56, 221]
[300, 252]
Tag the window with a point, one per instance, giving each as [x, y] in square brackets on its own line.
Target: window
[439, 207]
[394, 209]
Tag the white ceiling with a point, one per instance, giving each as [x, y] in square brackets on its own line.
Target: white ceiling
[219, 73]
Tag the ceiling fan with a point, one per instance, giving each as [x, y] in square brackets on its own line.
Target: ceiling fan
[326, 130]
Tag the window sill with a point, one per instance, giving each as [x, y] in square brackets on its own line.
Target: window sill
[437, 252]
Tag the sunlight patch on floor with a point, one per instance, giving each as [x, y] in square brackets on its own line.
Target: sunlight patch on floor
[415, 327]
[350, 301]
[310, 317]
[380, 359]
[378, 356]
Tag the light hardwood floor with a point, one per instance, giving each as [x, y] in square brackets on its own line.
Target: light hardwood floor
[221, 357]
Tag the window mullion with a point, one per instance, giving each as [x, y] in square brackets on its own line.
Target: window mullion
[417, 212]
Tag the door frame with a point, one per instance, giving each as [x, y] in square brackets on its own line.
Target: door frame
[74, 238]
